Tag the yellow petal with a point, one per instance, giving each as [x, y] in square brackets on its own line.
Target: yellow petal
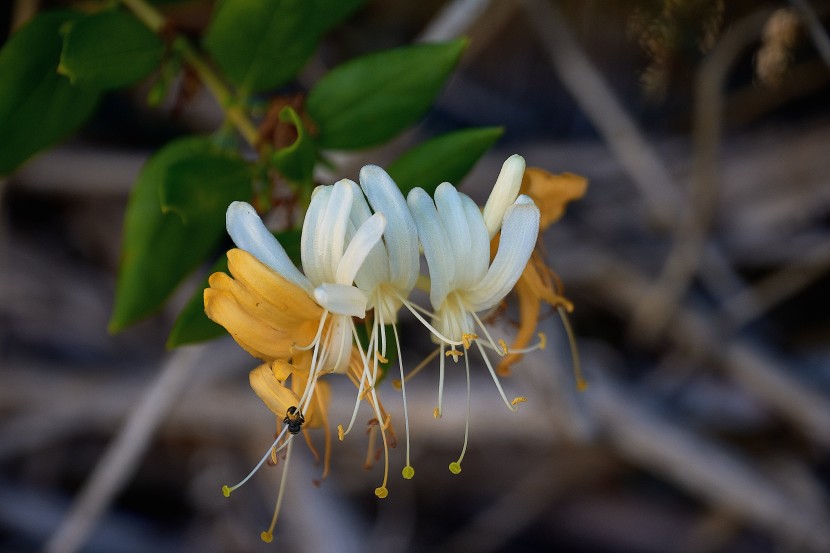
[253, 334]
[263, 282]
[551, 193]
[277, 397]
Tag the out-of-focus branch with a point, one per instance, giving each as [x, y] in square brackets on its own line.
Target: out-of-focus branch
[122, 457]
[599, 103]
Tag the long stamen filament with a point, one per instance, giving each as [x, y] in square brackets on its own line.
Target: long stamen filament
[408, 472]
[381, 491]
[316, 339]
[268, 535]
[437, 412]
[581, 383]
[397, 383]
[487, 335]
[455, 467]
[495, 378]
[424, 322]
[226, 490]
[364, 377]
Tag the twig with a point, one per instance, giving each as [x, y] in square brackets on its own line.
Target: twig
[680, 266]
[596, 99]
[817, 32]
[121, 458]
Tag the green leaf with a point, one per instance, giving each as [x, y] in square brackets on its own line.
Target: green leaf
[261, 44]
[109, 50]
[370, 99]
[38, 107]
[328, 13]
[192, 325]
[445, 158]
[202, 185]
[159, 249]
[297, 161]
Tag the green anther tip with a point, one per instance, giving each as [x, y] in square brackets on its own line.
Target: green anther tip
[408, 472]
[226, 491]
[381, 492]
[455, 467]
[267, 537]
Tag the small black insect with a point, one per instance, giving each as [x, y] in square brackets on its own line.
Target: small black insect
[294, 419]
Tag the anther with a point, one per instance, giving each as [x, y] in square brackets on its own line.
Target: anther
[380, 358]
[341, 433]
[436, 413]
[467, 339]
[543, 340]
[518, 400]
[397, 384]
[503, 345]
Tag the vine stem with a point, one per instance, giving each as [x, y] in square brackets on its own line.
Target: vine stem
[156, 22]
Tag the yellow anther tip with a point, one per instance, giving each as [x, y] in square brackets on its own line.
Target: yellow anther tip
[267, 537]
[381, 358]
[408, 472]
[397, 384]
[455, 467]
[505, 349]
[436, 413]
[226, 491]
[543, 340]
[518, 400]
[581, 385]
[341, 433]
[381, 492]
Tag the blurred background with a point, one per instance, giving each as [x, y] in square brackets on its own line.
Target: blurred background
[697, 263]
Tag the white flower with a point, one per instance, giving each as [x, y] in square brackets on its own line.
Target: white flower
[456, 239]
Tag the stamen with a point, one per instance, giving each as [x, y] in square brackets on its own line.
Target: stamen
[454, 353]
[495, 378]
[581, 383]
[397, 383]
[437, 412]
[414, 310]
[321, 411]
[268, 535]
[467, 339]
[455, 466]
[519, 399]
[408, 472]
[504, 347]
[226, 490]
[381, 491]
[364, 377]
[543, 340]
[486, 333]
[340, 433]
[316, 339]
[380, 358]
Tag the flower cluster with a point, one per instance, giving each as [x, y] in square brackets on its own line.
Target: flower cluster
[360, 253]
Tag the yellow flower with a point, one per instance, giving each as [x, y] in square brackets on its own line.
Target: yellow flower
[538, 283]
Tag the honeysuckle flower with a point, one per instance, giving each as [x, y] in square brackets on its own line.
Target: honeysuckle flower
[456, 236]
[538, 282]
[257, 307]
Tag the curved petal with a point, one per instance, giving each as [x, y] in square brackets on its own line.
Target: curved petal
[308, 240]
[401, 235]
[341, 299]
[451, 211]
[434, 238]
[375, 268]
[330, 233]
[504, 192]
[273, 393]
[479, 258]
[518, 238]
[362, 243]
[249, 233]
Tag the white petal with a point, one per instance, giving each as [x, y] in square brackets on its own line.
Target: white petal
[479, 258]
[401, 235]
[504, 192]
[434, 238]
[375, 268]
[308, 241]
[330, 234]
[451, 211]
[341, 299]
[249, 233]
[366, 237]
[518, 237]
